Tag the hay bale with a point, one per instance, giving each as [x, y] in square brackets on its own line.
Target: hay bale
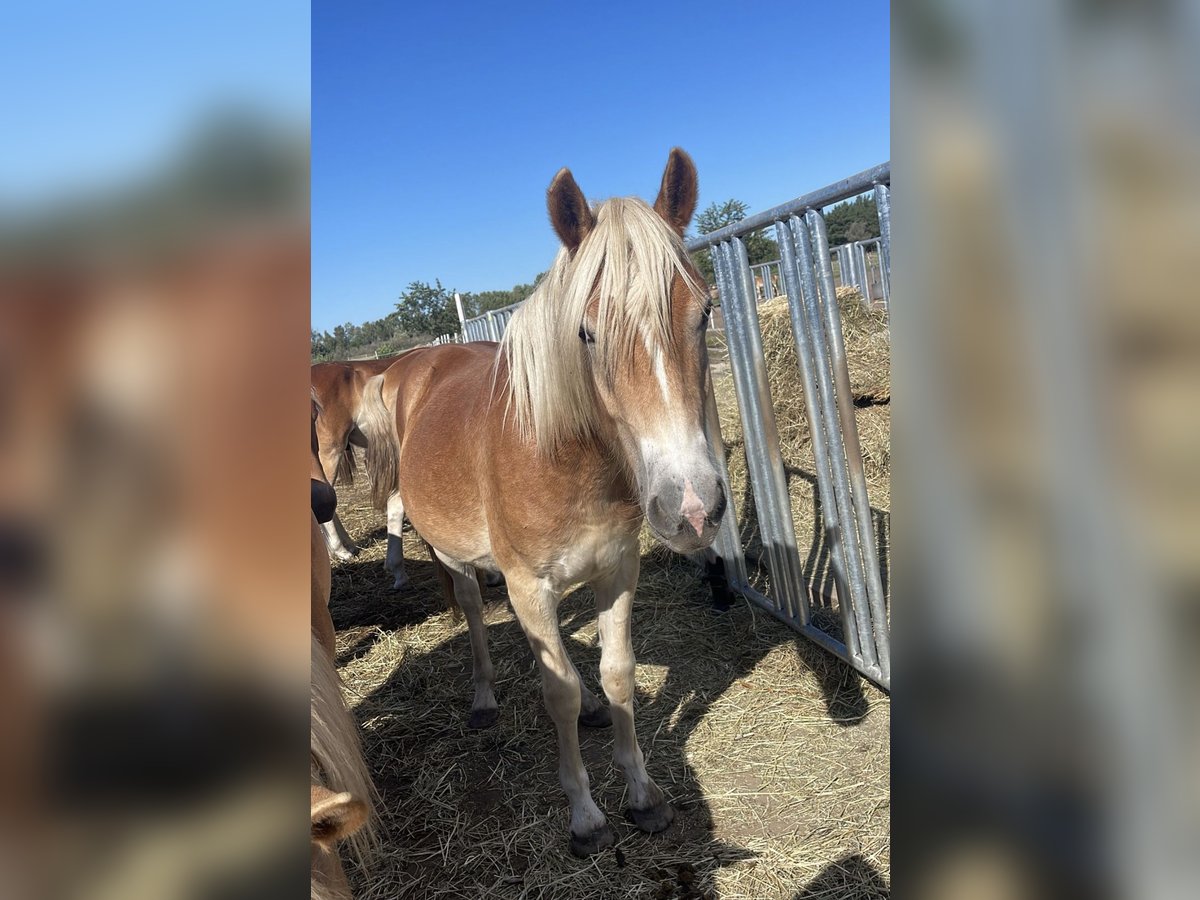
[868, 360]
[866, 336]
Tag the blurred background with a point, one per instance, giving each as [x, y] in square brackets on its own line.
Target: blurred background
[1046, 328]
[154, 279]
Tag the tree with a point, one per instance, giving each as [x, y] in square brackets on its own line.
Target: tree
[427, 309]
[760, 247]
[854, 220]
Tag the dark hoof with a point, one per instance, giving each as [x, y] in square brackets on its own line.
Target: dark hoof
[654, 819]
[599, 717]
[600, 839]
[483, 718]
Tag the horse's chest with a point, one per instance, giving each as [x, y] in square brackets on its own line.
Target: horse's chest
[590, 553]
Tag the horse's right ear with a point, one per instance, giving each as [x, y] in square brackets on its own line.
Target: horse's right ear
[569, 211]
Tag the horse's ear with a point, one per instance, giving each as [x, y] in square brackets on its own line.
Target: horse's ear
[569, 211]
[680, 188]
[334, 816]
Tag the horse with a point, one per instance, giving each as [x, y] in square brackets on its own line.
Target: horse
[541, 457]
[337, 388]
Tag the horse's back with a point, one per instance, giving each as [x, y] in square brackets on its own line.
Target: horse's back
[448, 378]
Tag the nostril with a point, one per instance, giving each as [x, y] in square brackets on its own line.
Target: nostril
[718, 509]
[656, 510]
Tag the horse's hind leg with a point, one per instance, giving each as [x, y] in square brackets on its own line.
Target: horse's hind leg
[536, 606]
[336, 538]
[592, 711]
[484, 710]
[614, 602]
[394, 561]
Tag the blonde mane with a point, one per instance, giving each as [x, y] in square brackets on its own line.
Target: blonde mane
[336, 752]
[626, 264]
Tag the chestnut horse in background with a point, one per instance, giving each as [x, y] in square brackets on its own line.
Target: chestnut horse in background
[541, 457]
[337, 389]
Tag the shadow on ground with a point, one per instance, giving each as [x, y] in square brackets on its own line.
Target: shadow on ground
[480, 813]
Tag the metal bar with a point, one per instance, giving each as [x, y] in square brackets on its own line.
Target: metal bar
[853, 450]
[806, 323]
[853, 605]
[833, 193]
[765, 465]
[728, 545]
[883, 275]
[861, 253]
[883, 206]
[801, 281]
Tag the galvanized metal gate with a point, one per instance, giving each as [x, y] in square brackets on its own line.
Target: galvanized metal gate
[808, 281]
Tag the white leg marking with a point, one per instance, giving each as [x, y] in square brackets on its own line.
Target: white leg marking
[536, 606]
[614, 602]
[394, 562]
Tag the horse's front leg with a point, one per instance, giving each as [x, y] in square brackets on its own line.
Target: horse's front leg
[536, 606]
[614, 603]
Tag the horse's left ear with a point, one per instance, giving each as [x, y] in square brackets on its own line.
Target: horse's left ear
[677, 197]
[334, 816]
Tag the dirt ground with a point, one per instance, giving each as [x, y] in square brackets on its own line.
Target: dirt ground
[774, 754]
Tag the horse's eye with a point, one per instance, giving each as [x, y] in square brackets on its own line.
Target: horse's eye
[586, 336]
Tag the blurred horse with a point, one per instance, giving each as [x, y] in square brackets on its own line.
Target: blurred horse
[541, 457]
[340, 790]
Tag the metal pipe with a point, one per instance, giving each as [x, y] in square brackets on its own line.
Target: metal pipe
[854, 460]
[833, 193]
[728, 545]
[854, 608]
[883, 207]
[767, 478]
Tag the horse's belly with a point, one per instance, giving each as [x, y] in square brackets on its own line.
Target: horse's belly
[441, 499]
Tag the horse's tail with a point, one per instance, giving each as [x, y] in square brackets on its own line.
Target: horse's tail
[336, 750]
[378, 425]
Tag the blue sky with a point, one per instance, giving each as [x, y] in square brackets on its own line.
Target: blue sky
[438, 126]
[98, 94]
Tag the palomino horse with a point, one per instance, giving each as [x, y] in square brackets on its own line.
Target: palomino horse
[337, 388]
[541, 457]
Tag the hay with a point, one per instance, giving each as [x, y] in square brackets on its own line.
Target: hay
[868, 354]
[774, 754]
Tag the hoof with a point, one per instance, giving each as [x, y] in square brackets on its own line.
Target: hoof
[401, 581]
[600, 717]
[591, 844]
[483, 718]
[654, 819]
[345, 554]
